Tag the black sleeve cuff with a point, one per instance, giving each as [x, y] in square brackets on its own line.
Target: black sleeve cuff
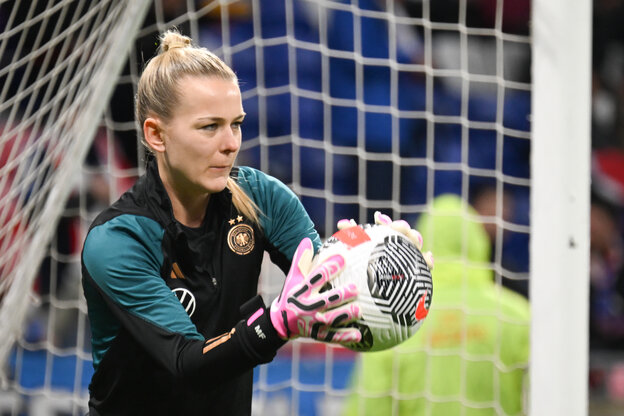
[258, 337]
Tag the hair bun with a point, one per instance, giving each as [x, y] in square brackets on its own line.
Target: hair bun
[172, 39]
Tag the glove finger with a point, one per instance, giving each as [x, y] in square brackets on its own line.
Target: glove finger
[326, 271]
[382, 219]
[314, 281]
[429, 259]
[302, 258]
[323, 301]
[347, 336]
[335, 335]
[340, 315]
[345, 223]
[299, 267]
[401, 226]
[338, 295]
[416, 238]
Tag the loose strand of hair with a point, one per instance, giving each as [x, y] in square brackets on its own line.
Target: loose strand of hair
[243, 203]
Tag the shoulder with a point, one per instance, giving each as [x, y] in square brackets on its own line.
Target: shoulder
[274, 199]
[125, 225]
[132, 238]
[256, 181]
[283, 217]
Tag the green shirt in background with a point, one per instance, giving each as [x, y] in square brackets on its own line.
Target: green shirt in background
[471, 355]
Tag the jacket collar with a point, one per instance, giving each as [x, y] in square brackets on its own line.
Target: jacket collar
[160, 203]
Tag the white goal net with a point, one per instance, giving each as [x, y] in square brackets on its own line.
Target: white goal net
[357, 105]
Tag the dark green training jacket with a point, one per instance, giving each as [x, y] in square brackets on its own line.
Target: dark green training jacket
[176, 323]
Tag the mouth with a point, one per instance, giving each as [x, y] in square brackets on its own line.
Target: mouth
[220, 168]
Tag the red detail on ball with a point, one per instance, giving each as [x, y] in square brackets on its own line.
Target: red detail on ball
[352, 236]
[421, 309]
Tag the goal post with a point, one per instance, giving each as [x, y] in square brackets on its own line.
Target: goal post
[560, 201]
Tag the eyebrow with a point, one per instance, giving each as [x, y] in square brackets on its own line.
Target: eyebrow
[220, 119]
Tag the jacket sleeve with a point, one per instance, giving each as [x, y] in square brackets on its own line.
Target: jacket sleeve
[121, 276]
[284, 220]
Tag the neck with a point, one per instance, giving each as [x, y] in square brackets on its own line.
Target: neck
[189, 208]
[189, 211]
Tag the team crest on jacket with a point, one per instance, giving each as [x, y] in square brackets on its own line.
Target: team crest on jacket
[241, 239]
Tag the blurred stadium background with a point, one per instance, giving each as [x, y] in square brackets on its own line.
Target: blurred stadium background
[358, 105]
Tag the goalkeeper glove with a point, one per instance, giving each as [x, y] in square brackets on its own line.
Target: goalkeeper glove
[302, 310]
[401, 226]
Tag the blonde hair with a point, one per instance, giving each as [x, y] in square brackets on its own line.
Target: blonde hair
[158, 93]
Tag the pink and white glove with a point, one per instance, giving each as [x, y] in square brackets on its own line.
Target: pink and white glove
[401, 226]
[302, 310]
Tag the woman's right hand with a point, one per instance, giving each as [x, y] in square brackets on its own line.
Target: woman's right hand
[302, 310]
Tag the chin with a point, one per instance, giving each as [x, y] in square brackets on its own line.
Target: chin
[216, 186]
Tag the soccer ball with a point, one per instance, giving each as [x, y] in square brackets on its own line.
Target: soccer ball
[394, 283]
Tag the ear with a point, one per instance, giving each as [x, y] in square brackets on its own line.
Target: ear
[153, 134]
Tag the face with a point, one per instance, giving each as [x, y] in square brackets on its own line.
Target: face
[203, 136]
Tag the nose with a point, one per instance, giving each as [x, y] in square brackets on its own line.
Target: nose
[231, 141]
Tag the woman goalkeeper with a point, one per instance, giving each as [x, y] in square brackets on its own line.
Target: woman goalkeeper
[170, 270]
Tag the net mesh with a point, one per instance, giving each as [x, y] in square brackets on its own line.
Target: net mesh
[58, 68]
[356, 105]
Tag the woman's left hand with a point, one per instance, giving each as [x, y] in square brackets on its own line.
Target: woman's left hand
[401, 226]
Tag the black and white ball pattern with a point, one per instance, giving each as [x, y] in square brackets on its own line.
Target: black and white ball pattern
[394, 283]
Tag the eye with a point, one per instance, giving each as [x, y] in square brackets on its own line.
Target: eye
[210, 127]
[237, 124]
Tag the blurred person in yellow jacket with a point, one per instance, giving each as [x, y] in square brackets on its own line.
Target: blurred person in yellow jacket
[471, 355]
